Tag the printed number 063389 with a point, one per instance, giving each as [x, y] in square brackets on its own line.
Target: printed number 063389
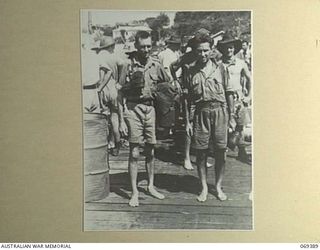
[309, 245]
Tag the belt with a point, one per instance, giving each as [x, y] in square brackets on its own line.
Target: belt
[92, 86]
[148, 102]
[211, 105]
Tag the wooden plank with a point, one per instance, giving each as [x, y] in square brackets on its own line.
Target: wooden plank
[234, 200]
[156, 220]
[98, 226]
[170, 208]
[183, 193]
[180, 209]
[179, 185]
[176, 178]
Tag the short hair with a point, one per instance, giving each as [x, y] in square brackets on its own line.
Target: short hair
[141, 34]
[201, 38]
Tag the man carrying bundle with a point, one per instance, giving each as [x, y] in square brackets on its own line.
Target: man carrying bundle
[139, 119]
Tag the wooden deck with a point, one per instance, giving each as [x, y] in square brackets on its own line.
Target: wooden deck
[180, 209]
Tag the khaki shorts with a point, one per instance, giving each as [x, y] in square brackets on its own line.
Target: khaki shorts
[210, 123]
[141, 122]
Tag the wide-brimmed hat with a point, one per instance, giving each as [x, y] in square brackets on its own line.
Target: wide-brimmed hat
[105, 42]
[228, 39]
[202, 31]
[193, 40]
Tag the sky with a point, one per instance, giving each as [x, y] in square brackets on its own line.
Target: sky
[112, 17]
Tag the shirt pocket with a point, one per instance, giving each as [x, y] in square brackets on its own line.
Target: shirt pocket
[197, 88]
[214, 86]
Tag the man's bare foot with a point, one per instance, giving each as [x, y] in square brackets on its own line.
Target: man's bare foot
[134, 201]
[221, 195]
[155, 193]
[209, 165]
[203, 196]
[188, 165]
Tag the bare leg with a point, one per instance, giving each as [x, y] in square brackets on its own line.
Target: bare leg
[111, 143]
[133, 170]
[219, 171]
[202, 170]
[210, 153]
[149, 151]
[115, 132]
[187, 162]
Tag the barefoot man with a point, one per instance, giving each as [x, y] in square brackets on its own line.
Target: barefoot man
[143, 75]
[211, 97]
[185, 62]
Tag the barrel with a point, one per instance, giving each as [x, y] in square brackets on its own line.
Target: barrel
[96, 162]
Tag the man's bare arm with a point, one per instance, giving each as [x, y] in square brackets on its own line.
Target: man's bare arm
[123, 68]
[230, 103]
[123, 129]
[105, 76]
[246, 73]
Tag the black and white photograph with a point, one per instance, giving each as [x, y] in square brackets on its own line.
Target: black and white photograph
[167, 120]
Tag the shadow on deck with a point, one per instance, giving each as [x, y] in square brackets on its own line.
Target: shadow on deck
[180, 209]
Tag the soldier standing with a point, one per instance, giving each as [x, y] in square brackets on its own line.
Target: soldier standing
[139, 119]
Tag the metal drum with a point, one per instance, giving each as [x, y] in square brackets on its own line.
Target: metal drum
[96, 162]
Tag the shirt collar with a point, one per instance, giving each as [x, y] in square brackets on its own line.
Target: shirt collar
[149, 63]
[230, 62]
[211, 69]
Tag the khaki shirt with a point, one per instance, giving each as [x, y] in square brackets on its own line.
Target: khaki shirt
[153, 73]
[207, 86]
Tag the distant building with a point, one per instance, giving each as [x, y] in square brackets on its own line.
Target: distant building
[129, 31]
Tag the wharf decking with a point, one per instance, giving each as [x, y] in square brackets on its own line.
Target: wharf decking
[180, 209]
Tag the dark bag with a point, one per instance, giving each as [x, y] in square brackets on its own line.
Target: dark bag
[166, 96]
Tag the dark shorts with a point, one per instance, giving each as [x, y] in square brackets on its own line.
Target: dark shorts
[141, 122]
[210, 123]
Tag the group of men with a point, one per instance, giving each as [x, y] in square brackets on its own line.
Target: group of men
[213, 95]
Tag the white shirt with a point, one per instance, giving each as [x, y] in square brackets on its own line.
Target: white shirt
[90, 75]
[167, 57]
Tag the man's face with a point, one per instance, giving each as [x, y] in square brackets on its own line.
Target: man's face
[203, 52]
[144, 47]
[229, 50]
[244, 46]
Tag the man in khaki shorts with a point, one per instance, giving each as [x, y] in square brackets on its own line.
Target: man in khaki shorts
[212, 99]
[139, 119]
[111, 78]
